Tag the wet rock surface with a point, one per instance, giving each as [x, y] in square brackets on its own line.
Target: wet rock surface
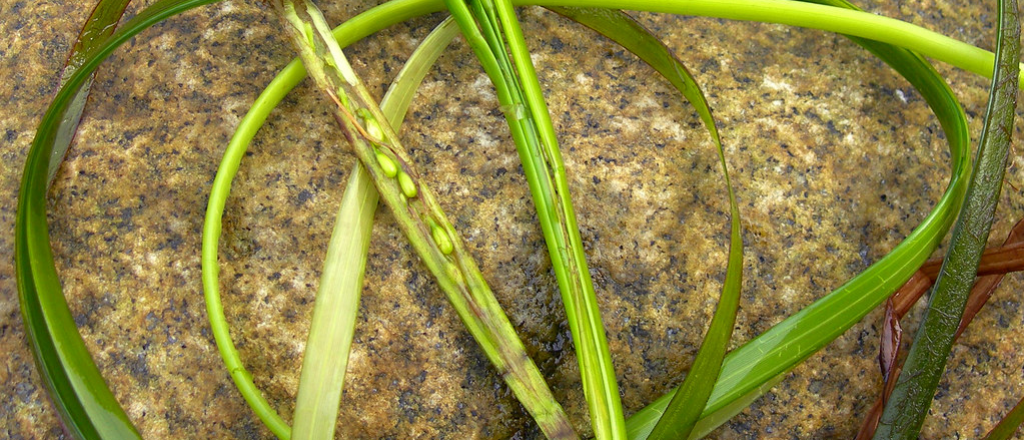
[834, 158]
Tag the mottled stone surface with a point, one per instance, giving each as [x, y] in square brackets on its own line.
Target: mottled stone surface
[834, 157]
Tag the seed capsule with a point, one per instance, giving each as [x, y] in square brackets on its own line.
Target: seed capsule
[387, 165]
[373, 128]
[406, 184]
[441, 238]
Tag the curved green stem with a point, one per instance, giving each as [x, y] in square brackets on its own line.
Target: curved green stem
[813, 16]
[918, 245]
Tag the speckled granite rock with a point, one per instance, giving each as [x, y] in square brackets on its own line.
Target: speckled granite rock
[834, 157]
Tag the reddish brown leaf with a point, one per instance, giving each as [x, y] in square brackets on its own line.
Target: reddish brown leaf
[999, 260]
[996, 262]
[987, 284]
[892, 334]
[912, 290]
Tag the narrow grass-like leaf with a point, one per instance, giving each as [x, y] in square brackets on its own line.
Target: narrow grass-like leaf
[337, 301]
[687, 404]
[418, 213]
[912, 396]
[683, 412]
[565, 246]
[83, 400]
[493, 31]
[334, 312]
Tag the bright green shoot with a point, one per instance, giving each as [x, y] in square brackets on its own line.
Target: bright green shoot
[684, 410]
[493, 31]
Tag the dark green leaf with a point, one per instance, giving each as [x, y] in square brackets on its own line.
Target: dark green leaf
[87, 407]
[915, 388]
[1009, 425]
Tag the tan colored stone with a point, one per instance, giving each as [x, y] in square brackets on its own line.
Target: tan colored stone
[835, 159]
